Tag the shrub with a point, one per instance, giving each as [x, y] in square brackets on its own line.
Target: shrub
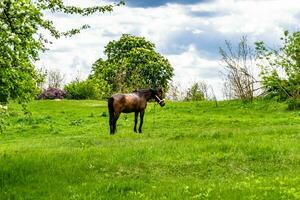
[293, 104]
[3, 116]
[53, 93]
[81, 90]
[88, 89]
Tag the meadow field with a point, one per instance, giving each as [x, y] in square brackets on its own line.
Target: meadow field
[188, 150]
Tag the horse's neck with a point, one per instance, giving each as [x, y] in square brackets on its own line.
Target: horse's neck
[147, 95]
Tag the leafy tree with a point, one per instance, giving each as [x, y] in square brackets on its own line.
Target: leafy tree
[132, 63]
[21, 41]
[197, 92]
[281, 68]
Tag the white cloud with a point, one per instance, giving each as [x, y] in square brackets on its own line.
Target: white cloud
[256, 17]
[182, 33]
[191, 67]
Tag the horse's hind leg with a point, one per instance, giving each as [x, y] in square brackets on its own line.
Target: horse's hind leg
[111, 124]
[136, 114]
[116, 117]
[111, 114]
[141, 120]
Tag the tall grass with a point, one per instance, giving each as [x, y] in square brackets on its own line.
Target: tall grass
[191, 150]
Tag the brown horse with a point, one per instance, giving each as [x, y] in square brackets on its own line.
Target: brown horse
[134, 102]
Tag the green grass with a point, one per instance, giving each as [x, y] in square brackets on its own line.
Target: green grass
[186, 151]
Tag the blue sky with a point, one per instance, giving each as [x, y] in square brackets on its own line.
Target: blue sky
[188, 33]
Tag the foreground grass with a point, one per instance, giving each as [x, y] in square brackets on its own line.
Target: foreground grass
[186, 151]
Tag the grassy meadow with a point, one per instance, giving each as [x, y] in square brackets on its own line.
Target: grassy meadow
[188, 150]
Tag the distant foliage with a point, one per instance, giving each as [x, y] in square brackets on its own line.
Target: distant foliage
[238, 64]
[280, 69]
[175, 92]
[197, 92]
[53, 93]
[88, 89]
[55, 78]
[293, 104]
[41, 77]
[132, 63]
[3, 116]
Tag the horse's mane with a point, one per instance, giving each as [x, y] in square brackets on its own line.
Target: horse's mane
[142, 90]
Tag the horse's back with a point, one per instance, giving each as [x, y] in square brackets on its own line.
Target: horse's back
[122, 98]
[128, 102]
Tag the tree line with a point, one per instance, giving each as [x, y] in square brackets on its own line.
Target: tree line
[132, 62]
[279, 70]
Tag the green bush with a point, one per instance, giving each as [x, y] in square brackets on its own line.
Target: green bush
[79, 90]
[87, 89]
[3, 116]
[293, 104]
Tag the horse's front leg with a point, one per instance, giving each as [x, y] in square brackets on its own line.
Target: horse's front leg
[141, 120]
[136, 114]
[111, 124]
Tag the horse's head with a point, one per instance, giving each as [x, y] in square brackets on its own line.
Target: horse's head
[158, 96]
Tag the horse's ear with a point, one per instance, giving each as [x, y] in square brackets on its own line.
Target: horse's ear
[160, 88]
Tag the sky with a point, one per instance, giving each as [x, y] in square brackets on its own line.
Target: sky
[187, 32]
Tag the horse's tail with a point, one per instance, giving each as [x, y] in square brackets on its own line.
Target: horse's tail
[110, 102]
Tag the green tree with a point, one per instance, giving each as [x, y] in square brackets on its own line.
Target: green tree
[132, 63]
[281, 68]
[21, 42]
[197, 92]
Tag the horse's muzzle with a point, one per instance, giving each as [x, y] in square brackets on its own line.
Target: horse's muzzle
[162, 103]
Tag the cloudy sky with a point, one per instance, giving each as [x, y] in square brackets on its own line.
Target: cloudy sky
[187, 32]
